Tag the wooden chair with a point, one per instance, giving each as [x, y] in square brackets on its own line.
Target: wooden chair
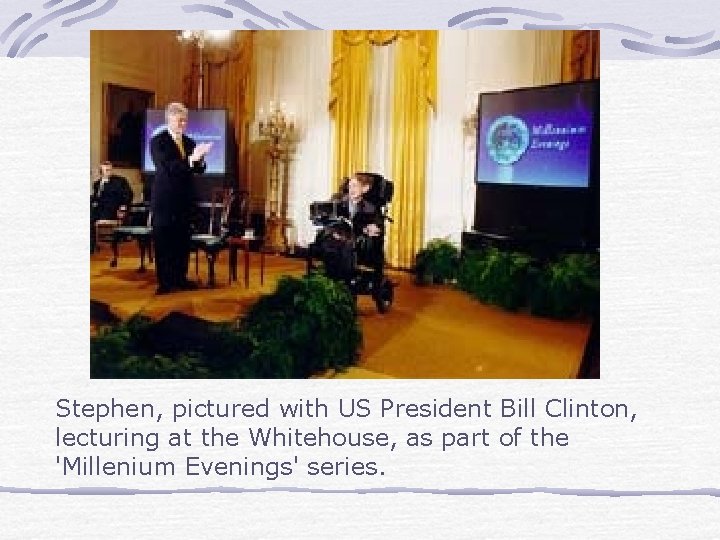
[137, 227]
[215, 239]
[104, 229]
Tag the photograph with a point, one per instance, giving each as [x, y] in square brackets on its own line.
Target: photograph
[344, 204]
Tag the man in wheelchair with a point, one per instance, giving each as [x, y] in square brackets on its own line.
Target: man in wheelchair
[351, 243]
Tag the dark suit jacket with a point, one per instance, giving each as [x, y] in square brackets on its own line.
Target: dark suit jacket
[115, 193]
[365, 215]
[369, 249]
[173, 194]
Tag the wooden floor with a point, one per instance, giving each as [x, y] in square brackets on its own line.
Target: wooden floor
[430, 332]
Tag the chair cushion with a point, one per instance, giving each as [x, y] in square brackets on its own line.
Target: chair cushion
[204, 237]
[208, 242]
[133, 230]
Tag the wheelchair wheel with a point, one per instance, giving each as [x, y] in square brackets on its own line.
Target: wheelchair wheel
[384, 296]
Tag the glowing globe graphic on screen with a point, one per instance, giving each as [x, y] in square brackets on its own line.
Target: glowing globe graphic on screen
[507, 139]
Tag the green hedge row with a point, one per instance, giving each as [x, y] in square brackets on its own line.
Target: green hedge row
[308, 325]
[566, 287]
[563, 288]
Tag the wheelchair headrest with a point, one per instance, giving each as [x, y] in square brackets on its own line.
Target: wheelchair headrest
[381, 189]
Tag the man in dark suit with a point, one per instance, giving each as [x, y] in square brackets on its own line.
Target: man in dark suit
[367, 223]
[110, 199]
[361, 213]
[177, 157]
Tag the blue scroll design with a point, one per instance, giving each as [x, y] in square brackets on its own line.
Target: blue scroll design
[34, 27]
[30, 27]
[642, 41]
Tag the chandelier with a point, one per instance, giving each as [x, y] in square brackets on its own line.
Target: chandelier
[276, 125]
[280, 130]
[200, 38]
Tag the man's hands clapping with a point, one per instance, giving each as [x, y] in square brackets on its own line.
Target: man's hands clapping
[200, 151]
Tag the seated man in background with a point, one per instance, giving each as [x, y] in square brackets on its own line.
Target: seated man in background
[110, 199]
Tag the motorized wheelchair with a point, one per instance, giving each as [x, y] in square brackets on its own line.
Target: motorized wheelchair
[347, 254]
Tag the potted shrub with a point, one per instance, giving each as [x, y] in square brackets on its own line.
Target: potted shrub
[437, 262]
[568, 287]
[496, 277]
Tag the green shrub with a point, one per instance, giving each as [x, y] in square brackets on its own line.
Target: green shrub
[158, 366]
[309, 323]
[226, 351]
[496, 277]
[127, 351]
[567, 287]
[437, 262]
[107, 351]
[306, 326]
[116, 347]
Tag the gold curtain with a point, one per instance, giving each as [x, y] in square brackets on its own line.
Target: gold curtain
[229, 84]
[350, 103]
[414, 97]
[581, 55]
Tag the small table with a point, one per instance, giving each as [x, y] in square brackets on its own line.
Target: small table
[238, 242]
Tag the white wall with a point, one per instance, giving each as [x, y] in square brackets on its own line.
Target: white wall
[471, 62]
[294, 68]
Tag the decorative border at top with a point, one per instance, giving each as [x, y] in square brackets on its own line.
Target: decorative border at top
[24, 33]
[677, 49]
[22, 44]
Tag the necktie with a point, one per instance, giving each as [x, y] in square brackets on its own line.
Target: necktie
[178, 142]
